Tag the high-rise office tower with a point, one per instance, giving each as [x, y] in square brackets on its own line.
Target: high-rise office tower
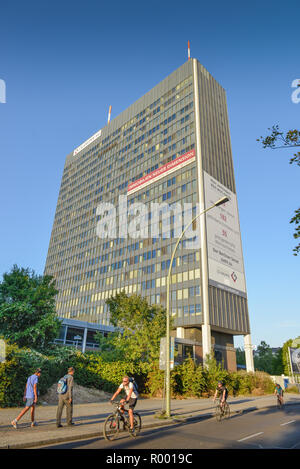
[172, 148]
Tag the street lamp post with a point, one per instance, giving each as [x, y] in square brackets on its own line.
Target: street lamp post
[168, 387]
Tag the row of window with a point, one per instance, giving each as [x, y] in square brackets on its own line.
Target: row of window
[155, 190]
[160, 282]
[82, 164]
[78, 178]
[99, 314]
[86, 243]
[61, 210]
[85, 192]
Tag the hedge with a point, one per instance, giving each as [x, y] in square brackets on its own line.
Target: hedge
[187, 379]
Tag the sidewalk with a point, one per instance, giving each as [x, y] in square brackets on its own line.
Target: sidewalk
[89, 418]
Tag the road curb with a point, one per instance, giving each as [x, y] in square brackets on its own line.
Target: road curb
[161, 423]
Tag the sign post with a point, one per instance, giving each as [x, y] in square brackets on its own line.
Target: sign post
[294, 356]
[163, 353]
[2, 351]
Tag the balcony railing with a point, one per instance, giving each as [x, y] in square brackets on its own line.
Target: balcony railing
[76, 343]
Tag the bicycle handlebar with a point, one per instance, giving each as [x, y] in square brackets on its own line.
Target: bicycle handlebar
[118, 403]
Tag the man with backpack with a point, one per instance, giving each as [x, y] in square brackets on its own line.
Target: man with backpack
[65, 397]
[132, 395]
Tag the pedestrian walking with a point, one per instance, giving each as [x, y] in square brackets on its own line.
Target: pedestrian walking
[30, 398]
[65, 398]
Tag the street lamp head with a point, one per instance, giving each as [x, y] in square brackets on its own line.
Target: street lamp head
[221, 201]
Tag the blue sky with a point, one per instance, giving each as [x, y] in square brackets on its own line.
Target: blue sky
[65, 62]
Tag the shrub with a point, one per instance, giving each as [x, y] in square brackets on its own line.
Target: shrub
[19, 365]
[292, 389]
[212, 374]
[11, 374]
[263, 381]
[155, 381]
[187, 379]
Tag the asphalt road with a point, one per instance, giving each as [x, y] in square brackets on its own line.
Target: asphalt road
[263, 429]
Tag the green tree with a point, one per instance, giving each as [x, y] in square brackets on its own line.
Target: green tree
[27, 308]
[286, 358]
[265, 360]
[240, 356]
[111, 347]
[290, 139]
[277, 365]
[140, 327]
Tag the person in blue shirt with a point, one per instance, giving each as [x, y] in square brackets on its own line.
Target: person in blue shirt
[279, 392]
[30, 398]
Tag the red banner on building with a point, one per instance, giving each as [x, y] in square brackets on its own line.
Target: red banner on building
[161, 172]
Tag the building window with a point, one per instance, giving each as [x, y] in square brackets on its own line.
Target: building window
[218, 357]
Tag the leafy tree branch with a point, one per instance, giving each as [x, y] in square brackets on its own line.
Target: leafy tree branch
[290, 139]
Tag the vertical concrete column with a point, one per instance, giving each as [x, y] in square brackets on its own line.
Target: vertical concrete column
[206, 330]
[180, 332]
[84, 340]
[248, 353]
[206, 341]
[65, 335]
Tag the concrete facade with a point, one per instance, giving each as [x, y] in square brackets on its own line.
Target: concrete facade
[152, 134]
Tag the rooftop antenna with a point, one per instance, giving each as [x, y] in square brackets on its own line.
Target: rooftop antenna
[189, 50]
[109, 114]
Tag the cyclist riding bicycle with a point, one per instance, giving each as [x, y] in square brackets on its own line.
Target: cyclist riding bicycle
[223, 393]
[131, 398]
[279, 392]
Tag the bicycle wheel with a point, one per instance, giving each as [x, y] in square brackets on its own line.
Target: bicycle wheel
[279, 403]
[137, 423]
[111, 427]
[226, 411]
[125, 423]
[218, 413]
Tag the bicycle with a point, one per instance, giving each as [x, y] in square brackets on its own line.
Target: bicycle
[222, 412]
[279, 402]
[113, 422]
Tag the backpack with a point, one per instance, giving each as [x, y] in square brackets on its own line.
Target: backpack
[62, 385]
[135, 386]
